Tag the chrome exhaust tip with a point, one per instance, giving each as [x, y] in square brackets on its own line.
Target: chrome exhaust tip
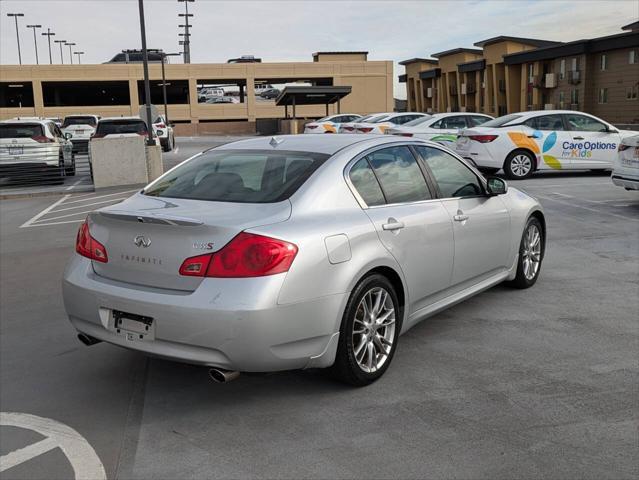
[220, 375]
[87, 339]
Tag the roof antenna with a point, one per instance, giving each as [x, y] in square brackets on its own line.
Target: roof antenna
[275, 141]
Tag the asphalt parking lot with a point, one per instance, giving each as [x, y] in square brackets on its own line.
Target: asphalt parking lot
[539, 383]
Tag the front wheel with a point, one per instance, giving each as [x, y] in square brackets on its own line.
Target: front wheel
[369, 332]
[519, 165]
[531, 254]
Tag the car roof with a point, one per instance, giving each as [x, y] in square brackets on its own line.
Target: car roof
[81, 115]
[328, 144]
[106, 119]
[27, 120]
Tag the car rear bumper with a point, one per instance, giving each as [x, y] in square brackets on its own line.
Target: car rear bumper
[479, 155]
[626, 181]
[235, 324]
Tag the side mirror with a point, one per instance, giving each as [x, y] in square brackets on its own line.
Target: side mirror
[611, 130]
[496, 186]
[67, 136]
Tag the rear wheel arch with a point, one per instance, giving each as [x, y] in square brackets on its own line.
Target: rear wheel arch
[524, 150]
[395, 280]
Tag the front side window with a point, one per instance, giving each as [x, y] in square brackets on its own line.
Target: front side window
[453, 177]
[584, 123]
[400, 177]
[241, 176]
[364, 181]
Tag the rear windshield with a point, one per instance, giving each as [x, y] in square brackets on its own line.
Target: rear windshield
[121, 126]
[381, 119]
[20, 130]
[501, 121]
[417, 121]
[243, 176]
[79, 121]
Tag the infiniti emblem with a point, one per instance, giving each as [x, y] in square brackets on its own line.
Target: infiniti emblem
[142, 241]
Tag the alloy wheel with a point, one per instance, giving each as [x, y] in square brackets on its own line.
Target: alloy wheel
[531, 252]
[521, 165]
[373, 329]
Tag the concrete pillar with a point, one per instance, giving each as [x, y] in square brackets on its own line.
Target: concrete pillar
[193, 102]
[135, 99]
[38, 100]
[250, 98]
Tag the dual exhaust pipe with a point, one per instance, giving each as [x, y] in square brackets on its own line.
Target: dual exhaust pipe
[218, 375]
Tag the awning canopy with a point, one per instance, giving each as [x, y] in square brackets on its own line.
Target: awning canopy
[312, 95]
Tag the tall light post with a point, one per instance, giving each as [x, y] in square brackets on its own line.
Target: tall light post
[49, 34]
[60, 42]
[15, 17]
[35, 40]
[145, 65]
[166, 109]
[186, 26]
[70, 52]
[78, 54]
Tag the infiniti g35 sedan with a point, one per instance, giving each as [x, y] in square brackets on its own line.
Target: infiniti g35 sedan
[298, 252]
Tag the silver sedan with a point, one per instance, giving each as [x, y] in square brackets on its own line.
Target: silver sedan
[298, 252]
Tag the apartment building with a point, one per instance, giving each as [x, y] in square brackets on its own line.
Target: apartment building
[509, 74]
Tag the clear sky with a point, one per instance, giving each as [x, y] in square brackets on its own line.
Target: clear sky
[291, 30]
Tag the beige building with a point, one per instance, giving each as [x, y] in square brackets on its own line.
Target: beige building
[511, 74]
[116, 89]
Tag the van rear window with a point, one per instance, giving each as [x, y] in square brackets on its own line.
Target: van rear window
[243, 176]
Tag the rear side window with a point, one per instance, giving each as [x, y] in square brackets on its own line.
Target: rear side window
[242, 176]
[121, 126]
[20, 130]
[458, 121]
[399, 175]
[364, 181]
[501, 121]
[477, 120]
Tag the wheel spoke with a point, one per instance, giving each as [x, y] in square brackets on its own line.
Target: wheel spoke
[369, 363]
[360, 349]
[377, 340]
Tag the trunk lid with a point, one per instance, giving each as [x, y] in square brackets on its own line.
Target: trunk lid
[147, 238]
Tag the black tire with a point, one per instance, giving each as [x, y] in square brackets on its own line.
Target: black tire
[514, 159]
[346, 367]
[70, 171]
[522, 280]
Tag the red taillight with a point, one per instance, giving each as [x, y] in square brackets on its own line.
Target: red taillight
[365, 129]
[350, 129]
[89, 247]
[483, 138]
[311, 126]
[247, 255]
[160, 125]
[405, 134]
[623, 147]
[42, 139]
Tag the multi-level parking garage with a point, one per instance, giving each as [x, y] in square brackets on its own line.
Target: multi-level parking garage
[115, 89]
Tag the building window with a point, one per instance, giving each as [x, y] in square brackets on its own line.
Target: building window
[632, 56]
[562, 69]
[562, 99]
[603, 62]
[632, 92]
[530, 72]
[574, 96]
[603, 95]
[575, 64]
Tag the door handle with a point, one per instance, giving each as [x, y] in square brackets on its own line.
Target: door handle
[460, 217]
[393, 226]
[578, 138]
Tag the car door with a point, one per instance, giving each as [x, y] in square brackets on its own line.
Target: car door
[594, 144]
[481, 223]
[550, 134]
[414, 227]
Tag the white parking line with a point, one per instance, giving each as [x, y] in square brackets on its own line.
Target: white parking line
[602, 212]
[114, 200]
[43, 212]
[85, 462]
[99, 196]
[71, 187]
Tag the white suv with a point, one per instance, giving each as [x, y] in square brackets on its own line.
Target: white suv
[164, 133]
[33, 146]
[80, 129]
[626, 166]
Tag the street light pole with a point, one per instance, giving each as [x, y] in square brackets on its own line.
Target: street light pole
[49, 34]
[78, 54]
[60, 42]
[15, 17]
[35, 40]
[166, 109]
[145, 64]
[70, 52]
[186, 34]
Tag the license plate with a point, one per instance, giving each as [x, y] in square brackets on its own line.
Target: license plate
[132, 326]
[16, 150]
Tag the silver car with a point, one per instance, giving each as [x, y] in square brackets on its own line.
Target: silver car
[298, 252]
